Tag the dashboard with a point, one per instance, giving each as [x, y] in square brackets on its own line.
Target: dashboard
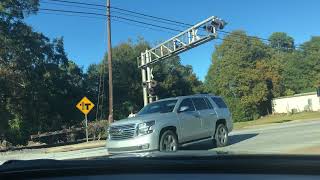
[193, 177]
[169, 167]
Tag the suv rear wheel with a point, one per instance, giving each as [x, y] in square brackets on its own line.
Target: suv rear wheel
[168, 141]
[221, 135]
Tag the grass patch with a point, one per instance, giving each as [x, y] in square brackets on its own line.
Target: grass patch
[278, 118]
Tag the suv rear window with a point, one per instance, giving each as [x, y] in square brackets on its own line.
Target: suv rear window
[220, 103]
[200, 103]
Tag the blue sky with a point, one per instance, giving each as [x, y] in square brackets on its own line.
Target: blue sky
[85, 38]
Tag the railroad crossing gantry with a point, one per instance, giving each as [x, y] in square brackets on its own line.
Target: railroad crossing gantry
[184, 41]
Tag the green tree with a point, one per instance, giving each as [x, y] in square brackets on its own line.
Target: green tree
[238, 72]
[311, 54]
[281, 41]
[301, 68]
[40, 85]
[17, 9]
[175, 79]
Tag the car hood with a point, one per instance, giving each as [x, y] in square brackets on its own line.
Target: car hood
[144, 118]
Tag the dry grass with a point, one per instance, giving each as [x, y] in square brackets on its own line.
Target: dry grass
[85, 145]
[278, 118]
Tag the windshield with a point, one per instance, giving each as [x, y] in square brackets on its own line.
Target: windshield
[241, 76]
[158, 107]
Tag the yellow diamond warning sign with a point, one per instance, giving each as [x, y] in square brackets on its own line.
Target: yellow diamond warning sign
[85, 105]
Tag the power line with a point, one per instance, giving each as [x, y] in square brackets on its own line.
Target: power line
[117, 12]
[119, 17]
[145, 23]
[114, 19]
[146, 18]
[239, 35]
[70, 5]
[158, 26]
[173, 22]
[154, 17]
[73, 15]
[81, 3]
[150, 17]
[126, 22]
[75, 12]
[125, 10]
[178, 22]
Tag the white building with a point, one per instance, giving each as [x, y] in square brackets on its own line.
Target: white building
[297, 103]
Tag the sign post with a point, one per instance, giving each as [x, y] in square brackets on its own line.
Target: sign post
[85, 106]
[86, 117]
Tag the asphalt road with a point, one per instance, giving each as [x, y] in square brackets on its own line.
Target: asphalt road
[291, 137]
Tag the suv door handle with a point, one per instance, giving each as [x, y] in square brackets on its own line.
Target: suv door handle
[212, 113]
[196, 115]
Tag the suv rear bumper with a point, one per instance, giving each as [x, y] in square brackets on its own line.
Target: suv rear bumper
[143, 143]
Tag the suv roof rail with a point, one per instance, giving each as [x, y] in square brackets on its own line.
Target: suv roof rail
[205, 94]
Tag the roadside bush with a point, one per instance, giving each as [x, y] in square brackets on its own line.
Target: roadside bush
[98, 129]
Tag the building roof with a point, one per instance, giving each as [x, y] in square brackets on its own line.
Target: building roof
[297, 95]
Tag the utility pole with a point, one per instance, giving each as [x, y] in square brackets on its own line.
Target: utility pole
[110, 117]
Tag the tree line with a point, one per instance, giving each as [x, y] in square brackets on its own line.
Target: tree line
[40, 85]
[249, 72]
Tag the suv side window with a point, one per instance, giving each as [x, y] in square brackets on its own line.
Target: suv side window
[187, 102]
[200, 103]
[220, 103]
[208, 103]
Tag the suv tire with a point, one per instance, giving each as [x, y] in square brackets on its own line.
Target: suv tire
[221, 135]
[168, 141]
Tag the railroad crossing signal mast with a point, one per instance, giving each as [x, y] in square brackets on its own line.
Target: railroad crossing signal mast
[184, 41]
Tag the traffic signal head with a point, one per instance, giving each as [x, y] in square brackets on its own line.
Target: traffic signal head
[209, 28]
[153, 83]
[151, 91]
[144, 84]
[218, 23]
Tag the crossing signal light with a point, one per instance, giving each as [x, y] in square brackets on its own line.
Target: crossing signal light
[153, 83]
[218, 23]
[144, 84]
[209, 28]
[215, 24]
[151, 91]
[153, 88]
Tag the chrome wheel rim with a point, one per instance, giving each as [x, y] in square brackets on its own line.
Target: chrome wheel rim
[169, 143]
[222, 135]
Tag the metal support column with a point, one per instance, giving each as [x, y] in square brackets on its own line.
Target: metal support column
[143, 74]
[148, 74]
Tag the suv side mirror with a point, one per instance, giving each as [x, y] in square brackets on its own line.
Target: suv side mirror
[183, 108]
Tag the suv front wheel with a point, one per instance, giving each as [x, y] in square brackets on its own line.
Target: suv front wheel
[168, 141]
[221, 135]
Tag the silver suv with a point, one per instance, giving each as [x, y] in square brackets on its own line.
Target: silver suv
[171, 123]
